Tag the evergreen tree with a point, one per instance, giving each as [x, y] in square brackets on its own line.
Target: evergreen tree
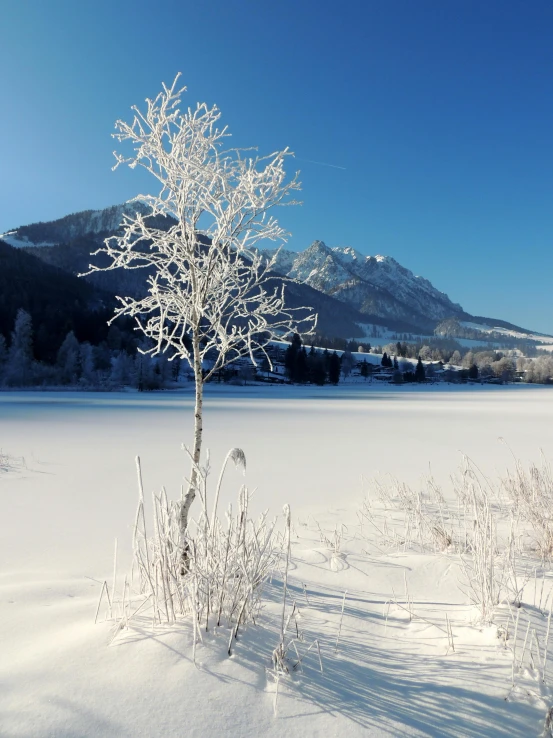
[317, 372]
[326, 361]
[420, 375]
[364, 369]
[265, 366]
[473, 372]
[384, 361]
[291, 357]
[397, 377]
[3, 352]
[396, 365]
[334, 368]
[302, 370]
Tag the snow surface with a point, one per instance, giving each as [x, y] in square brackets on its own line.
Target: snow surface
[75, 493]
[12, 239]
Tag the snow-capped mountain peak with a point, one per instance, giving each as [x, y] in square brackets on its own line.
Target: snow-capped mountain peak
[377, 285]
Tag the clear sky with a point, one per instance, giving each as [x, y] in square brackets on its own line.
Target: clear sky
[439, 111]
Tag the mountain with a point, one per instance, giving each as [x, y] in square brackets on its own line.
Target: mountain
[67, 244]
[350, 291]
[374, 285]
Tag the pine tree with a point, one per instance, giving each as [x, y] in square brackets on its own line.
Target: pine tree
[384, 361]
[420, 375]
[334, 368]
[326, 360]
[396, 365]
[3, 352]
[302, 370]
[317, 372]
[473, 372]
[291, 357]
[364, 369]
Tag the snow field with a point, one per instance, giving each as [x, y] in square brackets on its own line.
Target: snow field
[393, 672]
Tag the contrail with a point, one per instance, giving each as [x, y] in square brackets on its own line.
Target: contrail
[321, 163]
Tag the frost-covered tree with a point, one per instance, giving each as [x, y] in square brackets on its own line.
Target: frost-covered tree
[504, 369]
[425, 353]
[210, 299]
[455, 358]
[122, 367]
[88, 365]
[68, 359]
[347, 362]
[20, 355]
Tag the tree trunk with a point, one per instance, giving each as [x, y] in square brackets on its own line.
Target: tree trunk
[196, 450]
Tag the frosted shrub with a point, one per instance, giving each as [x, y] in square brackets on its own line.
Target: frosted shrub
[531, 494]
[10, 463]
[494, 529]
[227, 562]
[420, 518]
[483, 573]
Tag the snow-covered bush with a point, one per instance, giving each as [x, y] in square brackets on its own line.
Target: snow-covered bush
[228, 562]
[493, 530]
[531, 494]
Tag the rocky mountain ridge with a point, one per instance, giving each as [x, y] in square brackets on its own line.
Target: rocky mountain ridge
[374, 285]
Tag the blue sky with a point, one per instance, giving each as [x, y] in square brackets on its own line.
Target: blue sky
[440, 113]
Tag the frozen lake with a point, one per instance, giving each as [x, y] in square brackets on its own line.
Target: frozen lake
[306, 446]
[75, 491]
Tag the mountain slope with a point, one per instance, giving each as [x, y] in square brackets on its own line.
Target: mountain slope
[347, 288]
[57, 301]
[70, 227]
[81, 234]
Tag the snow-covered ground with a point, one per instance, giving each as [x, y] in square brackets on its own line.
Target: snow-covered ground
[70, 490]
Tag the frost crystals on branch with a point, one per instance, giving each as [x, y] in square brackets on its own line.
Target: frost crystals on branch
[210, 296]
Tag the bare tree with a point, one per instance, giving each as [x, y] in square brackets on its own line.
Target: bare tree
[210, 297]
